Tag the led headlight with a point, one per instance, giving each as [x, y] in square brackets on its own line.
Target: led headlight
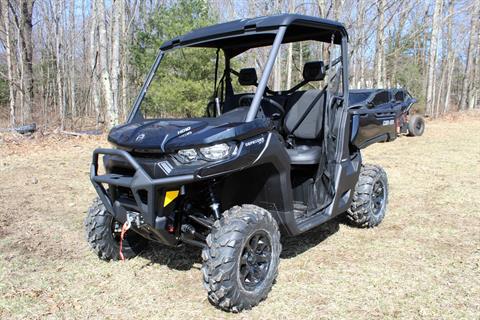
[216, 152]
[187, 155]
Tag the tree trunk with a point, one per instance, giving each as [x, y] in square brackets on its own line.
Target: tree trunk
[380, 43]
[124, 61]
[112, 115]
[58, 62]
[94, 65]
[476, 85]
[473, 75]
[470, 57]
[450, 56]
[115, 66]
[432, 58]
[5, 13]
[361, 45]
[27, 46]
[71, 68]
[291, 9]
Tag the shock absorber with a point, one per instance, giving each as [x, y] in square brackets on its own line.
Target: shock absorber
[214, 204]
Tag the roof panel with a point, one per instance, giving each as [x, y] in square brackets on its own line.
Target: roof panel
[220, 35]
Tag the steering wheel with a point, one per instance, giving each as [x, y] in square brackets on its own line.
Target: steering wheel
[270, 101]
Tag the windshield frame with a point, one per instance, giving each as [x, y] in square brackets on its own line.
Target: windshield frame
[135, 113]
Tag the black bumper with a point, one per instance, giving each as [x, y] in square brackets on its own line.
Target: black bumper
[148, 194]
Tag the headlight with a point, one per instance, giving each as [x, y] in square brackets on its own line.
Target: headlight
[216, 152]
[187, 155]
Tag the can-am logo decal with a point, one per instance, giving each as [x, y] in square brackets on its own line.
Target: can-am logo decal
[165, 166]
[140, 137]
[182, 131]
[388, 122]
[256, 141]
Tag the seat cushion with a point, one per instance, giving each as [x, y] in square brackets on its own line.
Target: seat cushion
[297, 106]
[305, 154]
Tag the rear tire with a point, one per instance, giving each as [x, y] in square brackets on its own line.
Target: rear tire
[370, 198]
[416, 125]
[100, 227]
[241, 258]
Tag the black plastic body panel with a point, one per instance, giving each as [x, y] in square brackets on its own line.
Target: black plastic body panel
[373, 125]
[166, 135]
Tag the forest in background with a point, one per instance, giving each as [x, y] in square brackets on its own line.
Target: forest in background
[77, 64]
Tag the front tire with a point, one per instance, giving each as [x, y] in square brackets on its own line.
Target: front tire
[240, 262]
[103, 236]
[370, 198]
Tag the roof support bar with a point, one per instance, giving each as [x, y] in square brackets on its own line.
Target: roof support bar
[252, 112]
[146, 85]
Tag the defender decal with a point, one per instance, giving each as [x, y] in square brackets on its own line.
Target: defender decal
[260, 140]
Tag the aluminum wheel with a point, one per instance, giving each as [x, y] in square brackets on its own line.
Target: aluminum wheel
[255, 260]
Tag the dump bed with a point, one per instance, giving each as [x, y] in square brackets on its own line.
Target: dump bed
[374, 114]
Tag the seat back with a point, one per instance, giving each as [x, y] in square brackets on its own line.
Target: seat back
[297, 105]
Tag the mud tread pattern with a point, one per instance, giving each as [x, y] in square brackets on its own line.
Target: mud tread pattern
[412, 130]
[223, 245]
[98, 233]
[360, 213]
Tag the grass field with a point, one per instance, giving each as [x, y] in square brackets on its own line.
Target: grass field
[423, 261]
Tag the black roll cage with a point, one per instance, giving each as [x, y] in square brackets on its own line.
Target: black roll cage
[225, 80]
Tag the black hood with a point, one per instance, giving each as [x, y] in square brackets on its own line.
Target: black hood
[174, 134]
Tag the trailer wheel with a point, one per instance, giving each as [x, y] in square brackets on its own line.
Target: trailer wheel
[240, 262]
[416, 125]
[370, 198]
[103, 234]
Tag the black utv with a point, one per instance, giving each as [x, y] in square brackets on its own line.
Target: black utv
[259, 164]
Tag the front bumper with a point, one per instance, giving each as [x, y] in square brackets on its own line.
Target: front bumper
[147, 194]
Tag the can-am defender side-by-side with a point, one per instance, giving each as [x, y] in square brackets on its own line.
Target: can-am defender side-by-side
[258, 165]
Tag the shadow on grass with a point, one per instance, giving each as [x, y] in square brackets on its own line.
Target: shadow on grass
[186, 257]
[293, 246]
[182, 258]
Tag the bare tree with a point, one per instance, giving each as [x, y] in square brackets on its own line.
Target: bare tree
[58, 12]
[472, 90]
[5, 17]
[361, 47]
[25, 29]
[291, 8]
[468, 78]
[111, 113]
[476, 82]
[380, 44]
[450, 56]
[432, 58]
[94, 88]
[115, 59]
[72, 60]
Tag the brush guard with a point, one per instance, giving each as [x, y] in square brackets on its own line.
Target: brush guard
[153, 213]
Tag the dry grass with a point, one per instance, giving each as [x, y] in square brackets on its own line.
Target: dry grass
[422, 262]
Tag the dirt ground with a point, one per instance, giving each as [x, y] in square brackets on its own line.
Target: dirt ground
[423, 261]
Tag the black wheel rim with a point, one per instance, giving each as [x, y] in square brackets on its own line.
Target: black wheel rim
[419, 126]
[378, 197]
[255, 260]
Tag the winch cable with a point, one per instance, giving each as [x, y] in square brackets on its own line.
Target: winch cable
[125, 228]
